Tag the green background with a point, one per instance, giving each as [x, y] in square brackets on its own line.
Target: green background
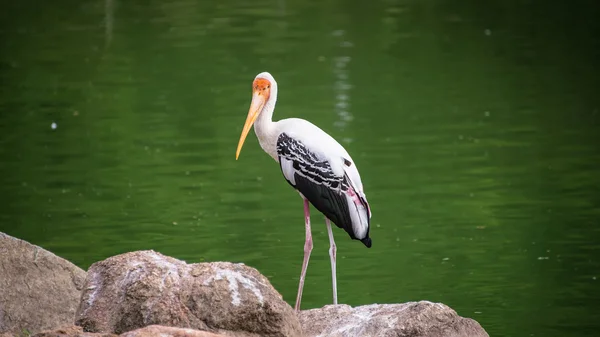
[474, 126]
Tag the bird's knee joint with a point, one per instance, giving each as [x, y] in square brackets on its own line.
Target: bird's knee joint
[308, 246]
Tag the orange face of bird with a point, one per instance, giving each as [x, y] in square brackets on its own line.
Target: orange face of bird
[261, 89]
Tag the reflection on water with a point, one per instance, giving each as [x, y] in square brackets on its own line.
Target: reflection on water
[109, 9]
[342, 84]
[478, 151]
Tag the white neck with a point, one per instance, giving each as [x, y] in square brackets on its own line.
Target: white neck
[264, 127]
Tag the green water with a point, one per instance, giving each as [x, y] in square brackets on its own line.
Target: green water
[474, 126]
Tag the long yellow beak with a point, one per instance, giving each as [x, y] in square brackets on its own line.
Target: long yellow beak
[258, 102]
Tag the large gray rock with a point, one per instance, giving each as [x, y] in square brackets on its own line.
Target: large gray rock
[38, 290]
[70, 331]
[134, 290]
[165, 331]
[149, 331]
[412, 319]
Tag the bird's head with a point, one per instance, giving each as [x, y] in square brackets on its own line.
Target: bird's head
[261, 92]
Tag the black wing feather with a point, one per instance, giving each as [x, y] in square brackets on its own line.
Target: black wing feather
[333, 205]
[315, 179]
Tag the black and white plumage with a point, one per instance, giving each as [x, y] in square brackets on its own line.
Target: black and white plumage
[333, 195]
[316, 165]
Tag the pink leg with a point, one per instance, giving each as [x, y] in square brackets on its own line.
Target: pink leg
[332, 254]
[308, 245]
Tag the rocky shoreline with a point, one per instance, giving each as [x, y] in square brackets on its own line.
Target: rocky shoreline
[145, 293]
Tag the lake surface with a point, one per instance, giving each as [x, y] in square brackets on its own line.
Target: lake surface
[475, 128]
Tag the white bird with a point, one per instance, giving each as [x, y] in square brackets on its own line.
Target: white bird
[316, 165]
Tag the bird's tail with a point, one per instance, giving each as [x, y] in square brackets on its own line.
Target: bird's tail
[360, 215]
[366, 241]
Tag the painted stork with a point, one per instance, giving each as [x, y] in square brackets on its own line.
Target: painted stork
[314, 164]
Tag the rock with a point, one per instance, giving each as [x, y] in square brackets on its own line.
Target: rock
[39, 289]
[164, 331]
[137, 289]
[71, 331]
[414, 319]
[149, 331]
